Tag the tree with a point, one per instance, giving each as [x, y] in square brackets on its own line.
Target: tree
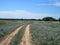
[49, 19]
[59, 19]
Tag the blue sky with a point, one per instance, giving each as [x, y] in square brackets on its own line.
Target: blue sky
[29, 8]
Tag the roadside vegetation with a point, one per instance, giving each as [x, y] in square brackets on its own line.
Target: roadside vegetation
[45, 33]
[8, 27]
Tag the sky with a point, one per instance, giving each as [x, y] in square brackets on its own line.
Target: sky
[27, 9]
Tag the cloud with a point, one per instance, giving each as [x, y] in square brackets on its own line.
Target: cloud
[17, 12]
[57, 4]
[21, 14]
[51, 3]
[54, 4]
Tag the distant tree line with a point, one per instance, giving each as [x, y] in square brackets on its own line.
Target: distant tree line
[43, 19]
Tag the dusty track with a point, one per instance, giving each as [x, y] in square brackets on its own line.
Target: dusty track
[26, 40]
[10, 36]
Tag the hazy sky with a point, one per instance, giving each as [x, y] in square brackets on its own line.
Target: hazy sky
[29, 8]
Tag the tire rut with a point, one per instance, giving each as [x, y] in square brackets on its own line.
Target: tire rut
[8, 39]
[26, 40]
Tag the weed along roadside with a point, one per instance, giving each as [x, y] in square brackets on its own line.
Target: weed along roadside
[10, 36]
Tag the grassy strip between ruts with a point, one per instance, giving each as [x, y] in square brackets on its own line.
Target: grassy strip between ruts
[15, 40]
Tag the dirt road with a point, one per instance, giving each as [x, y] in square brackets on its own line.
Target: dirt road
[10, 36]
[26, 40]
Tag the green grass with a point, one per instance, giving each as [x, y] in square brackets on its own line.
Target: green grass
[3, 22]
[45, 33]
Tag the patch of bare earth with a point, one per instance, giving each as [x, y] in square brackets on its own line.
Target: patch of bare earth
[7, 40]
[27, 39]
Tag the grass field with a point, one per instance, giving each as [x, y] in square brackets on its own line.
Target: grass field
[45, 33]
[42, 32]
